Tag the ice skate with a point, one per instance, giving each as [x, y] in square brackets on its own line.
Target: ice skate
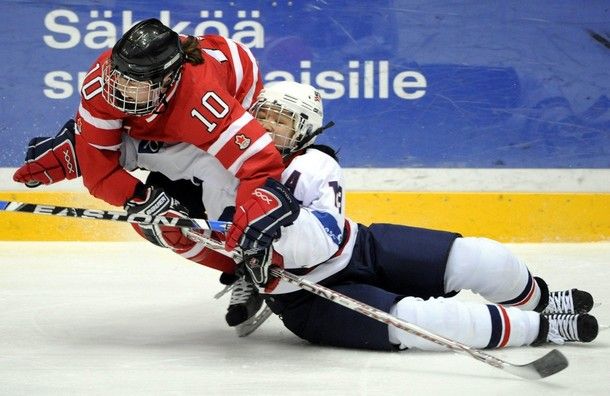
[571, 301]
[562, 328]
[245, 302]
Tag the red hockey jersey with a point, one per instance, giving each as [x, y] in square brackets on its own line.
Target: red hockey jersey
[206, 108]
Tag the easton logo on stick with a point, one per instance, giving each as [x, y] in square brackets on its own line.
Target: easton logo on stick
[99, 214]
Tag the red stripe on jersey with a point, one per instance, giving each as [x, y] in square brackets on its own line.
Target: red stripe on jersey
[529, 295]
[346, 235]
[252, 82]
[506, 321]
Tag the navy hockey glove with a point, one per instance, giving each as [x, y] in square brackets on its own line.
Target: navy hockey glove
[257, 263]
[49, 160]
[155, 202]
[258, 221]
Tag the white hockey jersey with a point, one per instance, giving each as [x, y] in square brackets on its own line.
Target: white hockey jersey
[317, 245]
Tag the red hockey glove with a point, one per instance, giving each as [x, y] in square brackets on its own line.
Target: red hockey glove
[258, 221]
[155, 202]
[49, 160]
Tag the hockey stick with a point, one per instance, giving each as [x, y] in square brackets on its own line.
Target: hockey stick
[547, 365]
[98, 214]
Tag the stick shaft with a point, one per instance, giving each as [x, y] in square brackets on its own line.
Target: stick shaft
[99, 214]
[370, 311]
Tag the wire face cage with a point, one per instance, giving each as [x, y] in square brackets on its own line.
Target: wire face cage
[129, 95]
[281, 123]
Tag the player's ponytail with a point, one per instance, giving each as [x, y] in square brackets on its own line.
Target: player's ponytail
[192, 51]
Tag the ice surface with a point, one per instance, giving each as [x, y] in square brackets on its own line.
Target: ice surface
[133, 319]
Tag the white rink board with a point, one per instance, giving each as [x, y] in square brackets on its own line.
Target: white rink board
[421, 179]
[133, 319]
[477, 180]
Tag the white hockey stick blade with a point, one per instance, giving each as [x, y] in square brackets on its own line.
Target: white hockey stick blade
[248, 327]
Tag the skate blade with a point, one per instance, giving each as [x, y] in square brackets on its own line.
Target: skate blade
[253, 323]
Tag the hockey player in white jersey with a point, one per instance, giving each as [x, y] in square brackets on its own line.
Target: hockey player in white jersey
[406, 271]
[409, 272]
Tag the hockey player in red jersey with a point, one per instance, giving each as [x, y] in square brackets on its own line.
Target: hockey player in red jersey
[157, 86]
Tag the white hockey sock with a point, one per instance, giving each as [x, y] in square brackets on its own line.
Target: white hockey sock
[488, 268]
[474, 324]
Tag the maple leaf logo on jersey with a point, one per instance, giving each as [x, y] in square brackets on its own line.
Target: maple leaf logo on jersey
[242, 141]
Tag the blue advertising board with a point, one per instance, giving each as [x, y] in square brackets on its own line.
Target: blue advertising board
[409, 83]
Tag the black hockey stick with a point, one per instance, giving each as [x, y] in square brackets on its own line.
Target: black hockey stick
[549, 364]
[98, 214]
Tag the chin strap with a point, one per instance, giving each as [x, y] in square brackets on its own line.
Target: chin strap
[171, 86]
[308, 139]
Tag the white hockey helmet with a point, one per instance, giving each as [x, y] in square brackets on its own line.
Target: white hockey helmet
[292, 105]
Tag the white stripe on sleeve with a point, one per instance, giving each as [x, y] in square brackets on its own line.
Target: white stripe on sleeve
[98, 122]
[262, 142]
[116, 147]
[247, 102]
[228, 133]
[237, 66]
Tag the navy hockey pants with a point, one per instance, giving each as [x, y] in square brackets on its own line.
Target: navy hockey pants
[388, 262]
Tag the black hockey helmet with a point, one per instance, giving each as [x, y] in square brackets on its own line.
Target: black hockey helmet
[144, 63]
[148, 51]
